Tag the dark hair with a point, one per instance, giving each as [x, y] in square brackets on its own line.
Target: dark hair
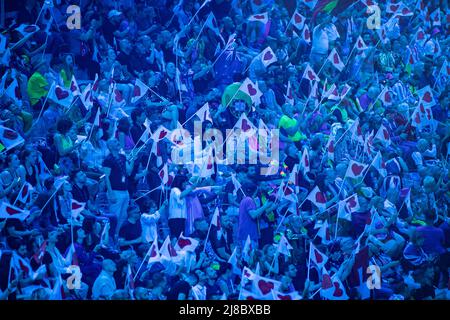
[249, 188]
[64, 125]
[137, 112]
[178, 181]
[123, 125]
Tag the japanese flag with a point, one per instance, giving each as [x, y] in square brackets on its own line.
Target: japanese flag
[203, 113]
[140, 89]
[436, 17]
[360, 44]
[60, 96]
[251, 89]
[298, 20]
[8, 211]
[27, 30]
[260, 17]
[318, 198]
[9, 139]
[186, 244]
[268, 57]
[305, 163]
[153, 253]
[166, 177]
[324, 233]
[379, 164]
[317, 257]
[383, 135]
[74, 88]
[289, 94]
[355, 169]
[332, 287]
[310, 3]
[77, 208]
[306, 34]
[426, 96]
[336, 60]
[310, 74]
[386, 96]
[263, 286]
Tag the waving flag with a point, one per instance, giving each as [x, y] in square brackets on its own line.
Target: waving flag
[215, 221]
[403, 11]
[420, 37]
[355, 169]
[347, 206]
[310, 74]
[268, 57]
[117, 99]
[336, 60]
[140, 90]
[60, 96]
[25, 193]
[154, 255]
[87, 97]
[426, 96]
[305, 163]
[332, 287]
[306, 34]
[246, 251]
[318, 198]
[317, 257]
[203, 113]
[186, 244]
[436, 17]
[27, 30]
[284, 247]
[211, 23]
[263, 286]
[289, 95]
[298, 20]
[245, 125]
[324, 233]
[379, 164]
[332, 93]
[383, 135]
[251, 89]
[357, 132]
[386, 96]
[77, 208]
[13, 91]
[360, 44]
[166, 177]
[248, 295]
[260, 17]
[168, 252]
[330, 147]
[9, 139]
[8, 211]
[74, 88]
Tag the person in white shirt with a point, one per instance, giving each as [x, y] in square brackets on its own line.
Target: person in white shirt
[149, 222]
[105, 284]
[324, 35]
[177, 205]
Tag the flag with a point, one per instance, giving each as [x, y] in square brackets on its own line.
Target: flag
[211, 23]
[420, 37]
[9, 138]
[379, 164]
[368, 143]
[248, 275]
[77, 208]
[203, 113]
[247, 295]
[13, 91]
[318, 198]
[298, 20]
[324, 233]
[355, 169]
[186, 244]
[306, 34]
[74, 88]
[71, 256]
[310, 74]
[305, 163]
[166, 177]
[332, 287]
[347, 206]
[403, 11]
[330, 147]
[284, 247]
[252, 90]
[8, 211]
[237, 185]
[140, 89]
[332, 93]
[386, 96]
[317, 257]
[27, 30]
[25, 193]
[289, 95]
[60, 95]
[383, 135]
[246, 251]
[405, 194]
[426, 96]
[154, 255]
[39, 254]
[245, 125]
[356, 132]
[285, 296]
[215, 221]
[260, 17]
[336, 60]
[147, 134]
[294, 178]
[360, 44]
[129, 282]
[268, 57]
[168, 252]
[234, 262]
[382, 33]
[160, 134]
[117, 99]
[310, 3]
[263, 286]
[435, 17]
[19, 265]
[87, 97]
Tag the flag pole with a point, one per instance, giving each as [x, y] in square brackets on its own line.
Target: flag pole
[142, 263]
[45, 101]
[147, 193]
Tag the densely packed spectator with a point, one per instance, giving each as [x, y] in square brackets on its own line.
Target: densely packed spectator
[352, 204]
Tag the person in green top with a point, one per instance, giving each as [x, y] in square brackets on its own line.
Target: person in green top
[289, 125]
[66, 72]
[38, 85]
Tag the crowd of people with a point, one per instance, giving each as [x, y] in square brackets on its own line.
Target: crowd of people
[355, 205]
